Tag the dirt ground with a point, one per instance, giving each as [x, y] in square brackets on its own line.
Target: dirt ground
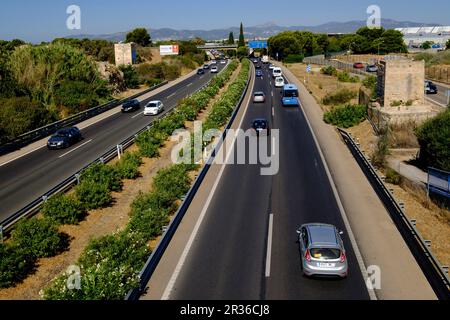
[320, 84]
[99, 222]
[432, 222]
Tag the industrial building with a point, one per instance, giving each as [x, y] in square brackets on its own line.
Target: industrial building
[415, 37]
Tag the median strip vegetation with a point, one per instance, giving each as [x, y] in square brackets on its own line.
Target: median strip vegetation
[112, 262]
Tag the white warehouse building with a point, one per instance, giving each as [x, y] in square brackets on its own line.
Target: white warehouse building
[414, 37]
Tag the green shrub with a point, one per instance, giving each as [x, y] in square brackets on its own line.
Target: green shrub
[40, 237]
[340, 97]
[146, 219]
[370, 82]
[15, 264]
[128, 166]
[346, 116]
[378, 157]
[77, 96]
[329, 70]
[103, 174]
[93, 195]
[171, 71]
[434, 141]
[130, 76]
[346, 77]
[294, 58]
[63, 209]
[152, 82]
[396, 103]
[393, 177]
[173, 180]
[109, 269]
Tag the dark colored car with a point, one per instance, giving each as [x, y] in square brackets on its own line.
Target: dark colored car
[258, 66]
[430, 87]
[131, 105]
[259, 73]
[371, 68]
[200, 71]
[64, 138]
[358, 65]
[261, 125]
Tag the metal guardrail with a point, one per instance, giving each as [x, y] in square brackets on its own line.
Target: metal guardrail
[34, 207]
[49, 129]
[432, 269]
[321, 60]
[155, 257]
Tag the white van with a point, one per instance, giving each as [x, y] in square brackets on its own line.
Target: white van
[276, 72]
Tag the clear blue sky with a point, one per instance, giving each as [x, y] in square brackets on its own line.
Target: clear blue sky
[44, 20]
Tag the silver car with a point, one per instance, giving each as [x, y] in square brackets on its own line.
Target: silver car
[259, 97]
[322, 250]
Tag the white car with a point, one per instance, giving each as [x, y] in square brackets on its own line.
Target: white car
[153, 108]
[276, 72]
[214, 69]
[213, 62]
[279, 82]
[223, 61]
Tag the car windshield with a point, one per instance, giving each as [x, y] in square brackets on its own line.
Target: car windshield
[152, 105]
[61, 134]
[259, 94]
[325, 253]
[279, 80]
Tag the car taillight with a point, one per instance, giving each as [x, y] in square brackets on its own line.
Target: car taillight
[308, 256]
[343, 257]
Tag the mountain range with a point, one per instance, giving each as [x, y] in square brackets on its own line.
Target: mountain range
[261, 31]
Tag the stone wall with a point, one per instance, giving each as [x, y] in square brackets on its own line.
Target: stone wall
[125, 53]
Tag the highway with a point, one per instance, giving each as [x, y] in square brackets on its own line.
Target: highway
[30, 176]
[441, 96]
[246, 245]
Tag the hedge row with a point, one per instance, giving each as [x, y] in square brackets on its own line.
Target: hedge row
[113, 262]
[39, 237]
[346, 116]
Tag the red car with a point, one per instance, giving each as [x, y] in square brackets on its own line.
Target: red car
[358, 65]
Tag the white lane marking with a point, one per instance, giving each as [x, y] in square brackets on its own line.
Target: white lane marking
[273, 146]
[273, 112]
[65, 154]
[170, 96]
[189, 84]
[137, 115]
[272, 93]
[23, 155]
[187, 248]
[269, 245]
[351, 236]
[270, 82]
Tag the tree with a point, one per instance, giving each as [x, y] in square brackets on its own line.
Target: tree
[231, 38]
[393, 42]
[241, 42]
[427, 45]
[139, 36]
[447, 46]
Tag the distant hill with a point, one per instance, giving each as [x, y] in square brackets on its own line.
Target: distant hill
[261, 31]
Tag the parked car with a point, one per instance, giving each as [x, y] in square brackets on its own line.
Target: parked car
[259, 73]
[371, 68]
[64, 138]
[279, 82]
[259, 96]
[206, 66]
[223, 61]
[200, 71]
[322, 250]
[213, 62]
[358, 65]
[131, 105]
[153, 108]
[430, 87]
[214, 69]
[261, 126]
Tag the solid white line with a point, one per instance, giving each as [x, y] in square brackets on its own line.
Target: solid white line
[269, 245]
[170, 96]
[65, 154]
[187, 248]
[272, 93]
[137, 115]
[18, 157]
[351, 236]
[273, 146]
[189, 84]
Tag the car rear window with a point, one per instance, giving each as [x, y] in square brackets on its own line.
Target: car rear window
[325, 253]
[260, 124]
[259, 94]
[152, 105]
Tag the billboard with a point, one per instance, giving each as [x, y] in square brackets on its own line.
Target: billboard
[257, 44]
[169, 50]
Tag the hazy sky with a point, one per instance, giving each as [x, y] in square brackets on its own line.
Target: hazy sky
[44, 20]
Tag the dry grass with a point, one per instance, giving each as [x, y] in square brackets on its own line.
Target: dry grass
[402, 135]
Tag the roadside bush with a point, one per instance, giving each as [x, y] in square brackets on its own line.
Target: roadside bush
[346, 77]
[393, 177]
[434, 141]
[150, 141]
[370, 82]
[76, 96]
[103, 174]
[63, 209]
[15, 264]
[109, 269]
[153, 82]
[128, 166]
[130, 76]
[149, 222]
[171, 71]
[173, 180]
[329, 70]
[346, 116]
[294, 58]
[340, 97]
[378, 157]
[93, 195]
[40, 237]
